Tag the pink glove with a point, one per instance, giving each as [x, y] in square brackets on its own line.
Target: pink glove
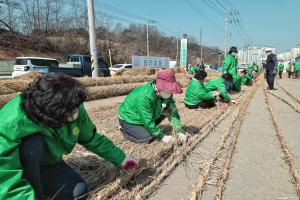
[129, 163]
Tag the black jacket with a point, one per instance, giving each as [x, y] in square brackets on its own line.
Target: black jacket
[271, 61]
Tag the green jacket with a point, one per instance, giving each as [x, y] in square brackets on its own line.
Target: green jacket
[15, 125]
[247, 79]
[297, 65]
[230, 65]
[218, 84]
[142, 107]
[196, 93]
[251, 69]
[281, 67]
[193, 70]
[237, 83]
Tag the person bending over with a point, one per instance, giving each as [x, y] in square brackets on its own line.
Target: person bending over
[37, 128]
[145, 107]
[196, 95]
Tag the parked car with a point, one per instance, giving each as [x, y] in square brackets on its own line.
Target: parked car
[78, 65]
[119, 67]
[26, 65]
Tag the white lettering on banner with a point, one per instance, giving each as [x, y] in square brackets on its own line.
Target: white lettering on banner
[150, 61]
[183, 53]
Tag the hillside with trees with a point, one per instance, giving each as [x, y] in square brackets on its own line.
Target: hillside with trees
[57, 28]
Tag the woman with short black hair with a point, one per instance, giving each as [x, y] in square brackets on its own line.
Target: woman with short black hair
[196, 95]
[37, 128]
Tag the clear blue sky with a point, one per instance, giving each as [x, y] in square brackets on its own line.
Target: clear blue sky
[267, 22]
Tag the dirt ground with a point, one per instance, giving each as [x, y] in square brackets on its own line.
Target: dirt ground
[258, 169]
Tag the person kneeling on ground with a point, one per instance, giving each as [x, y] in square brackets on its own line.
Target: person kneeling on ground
[246, 78]
[145, 107]
[37, 128]
[196, 95]
[220, 84]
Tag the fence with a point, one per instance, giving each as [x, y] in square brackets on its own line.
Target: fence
[6, 68]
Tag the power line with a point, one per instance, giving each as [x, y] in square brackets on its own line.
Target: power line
[198, 11]
[119, 11]
[213, 8]
[126, 14]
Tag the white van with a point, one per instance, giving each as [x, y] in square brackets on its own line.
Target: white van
[119, 67]
[26, 65]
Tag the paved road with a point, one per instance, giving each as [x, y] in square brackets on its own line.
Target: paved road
[257, 170]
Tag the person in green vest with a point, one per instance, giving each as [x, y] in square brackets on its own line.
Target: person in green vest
[297, 69]
[281, 68]
[221, 84]
[193, 69]
[230, 66]
[288, 69]
[37, 128]
[196, 95]
[247, 78]
[147, 106]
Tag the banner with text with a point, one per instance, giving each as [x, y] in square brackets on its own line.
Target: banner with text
[150, 61]
[183, 53]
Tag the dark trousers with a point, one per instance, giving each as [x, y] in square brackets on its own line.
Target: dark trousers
[229, 86]
[270, 79]
[58, 180]
[203, 104]
[137, 133]
[297, 74]
[280, 74]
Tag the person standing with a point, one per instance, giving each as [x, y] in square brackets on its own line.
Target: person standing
[297, 69]
[230, 66]
[270, 68]
[281, 68]
[288, 69]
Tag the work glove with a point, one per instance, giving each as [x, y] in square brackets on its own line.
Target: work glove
[182, 137]
[217, 93]
[167, 139]
[234, 101]
[129, 163]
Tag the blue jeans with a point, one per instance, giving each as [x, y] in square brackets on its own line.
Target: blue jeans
[58, 178]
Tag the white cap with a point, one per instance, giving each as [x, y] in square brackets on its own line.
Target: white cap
[268, 49]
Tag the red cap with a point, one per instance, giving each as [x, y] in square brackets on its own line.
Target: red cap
[166, 82]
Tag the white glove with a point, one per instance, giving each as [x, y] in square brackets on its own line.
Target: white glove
[234, 101]
[168, 139]
[182, 137]
[129, 163]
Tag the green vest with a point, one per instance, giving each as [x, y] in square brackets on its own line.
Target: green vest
[15, 125]
[218, 84]
[230, 66]
[142, 107]
[196, 93]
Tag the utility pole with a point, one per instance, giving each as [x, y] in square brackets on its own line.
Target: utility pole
[149, 21]
[107, 42]
[201, 49]
[92, 34]
[147, 38]
[226, 34]
[177, 50]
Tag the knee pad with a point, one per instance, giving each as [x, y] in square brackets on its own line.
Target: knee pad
[80, 189]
